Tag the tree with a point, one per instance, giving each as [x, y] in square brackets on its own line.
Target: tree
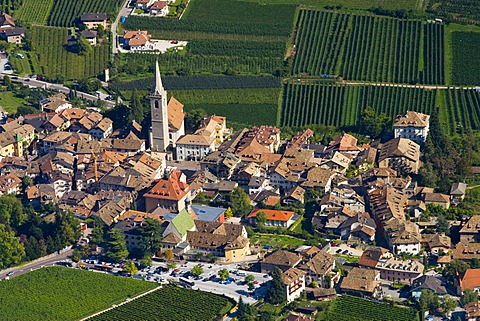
[224, 274]
[196, 271]
[428, 301]
[11, 211]
[245, 312]
[116, 246]
[100, 31]
[474, 263]
[130, 267]
[261, 218]
[276, 293]
[136, 108]
[228, 212]
[97, 236]
[371, 123]
[250, 286]
[469, 296]
[249, 278]
[76, 256]
[146, 261]
[7, 82]
[82, 47]
[193, 118]
[454, 268]
[151, 237]
[240, 202]
[448, 304]
[442, 225]
[168, 254]
[11, 250]
[171, 265]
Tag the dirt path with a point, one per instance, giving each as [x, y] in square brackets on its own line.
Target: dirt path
[120, 304]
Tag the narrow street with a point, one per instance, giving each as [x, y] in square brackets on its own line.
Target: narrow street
[124, 12]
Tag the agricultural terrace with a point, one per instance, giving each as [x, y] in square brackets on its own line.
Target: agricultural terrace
[171, 303]
[366, 48]
[64, 12]
[51, 59]
[340, 105]
[34, 11]
[465, 49]
[58, 293]
[351, 4]
[238, 105]
[348, 308]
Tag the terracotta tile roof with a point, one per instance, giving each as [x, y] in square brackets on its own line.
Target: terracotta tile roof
[273, 215]
[291, 275]
[72, 113]
[56, 121]
[196, 140]
[158, 5]
[282, 258]
[175, 113]
[320, 264]
[472, 225]
[32, 192]
[466, 251]
[470, 279]
[6, 19]
[171, 188]
[359, 279]
[437, 198]
[345, 142]
[371, 256]
[400, 147]
[271, 200]
[412, 119]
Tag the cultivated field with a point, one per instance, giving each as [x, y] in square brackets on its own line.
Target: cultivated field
[170, 303]
[347, 308]
[64, 12]
[465, 48]
[58, 293]
[351, 4]
[462, 109]
[465, 11]
[367, 48]
[35, 11]
[54, 60]
[340, 105]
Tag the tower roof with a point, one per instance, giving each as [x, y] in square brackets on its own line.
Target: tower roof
[158, 90]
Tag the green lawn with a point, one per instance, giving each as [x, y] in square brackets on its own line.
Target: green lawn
[9, 102]
[58, 293]
[277, 241]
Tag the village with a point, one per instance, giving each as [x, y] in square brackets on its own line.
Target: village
[225, 197]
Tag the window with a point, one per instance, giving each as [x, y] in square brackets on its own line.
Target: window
[156, 104]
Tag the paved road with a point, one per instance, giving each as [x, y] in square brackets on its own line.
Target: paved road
[19, 270]
[61, 88]
[125, 11]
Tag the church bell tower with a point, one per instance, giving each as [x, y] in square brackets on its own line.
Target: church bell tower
[159, 139]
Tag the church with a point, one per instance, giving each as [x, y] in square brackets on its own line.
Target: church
[168, 119]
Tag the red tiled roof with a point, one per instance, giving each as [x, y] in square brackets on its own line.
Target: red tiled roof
[273, 215]
[171, 188]
[470, 279]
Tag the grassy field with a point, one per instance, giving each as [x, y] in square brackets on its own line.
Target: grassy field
[34, 11]
[171, 303]
[277, 241]
[57, 293]
[351, 4]
[243, 107]
[348, 308]
[51, 59]
[9, 102]
[465, 48]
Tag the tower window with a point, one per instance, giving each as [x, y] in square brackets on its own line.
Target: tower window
[156, 104]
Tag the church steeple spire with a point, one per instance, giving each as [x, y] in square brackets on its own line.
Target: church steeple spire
[158, 90]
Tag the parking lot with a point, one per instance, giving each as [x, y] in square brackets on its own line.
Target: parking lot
[345, 249]
[5, 67]
[209, 281]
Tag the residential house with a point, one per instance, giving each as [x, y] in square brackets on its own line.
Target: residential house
[319, 179]
[472, 311]
[436, 243]
[137, 40]
[159, 8]
[209, 213]
[228, 241]
[216, 127]
[170, 193]
[458, 191]
[439, 199]
[176, 120]
[102, 129]
[466, 251]
[400, 154]
[427, 282]
[143, 4]
[10, 184]
[13, 35]
[412, 125]
[94, 20]
[194, 147]
[294, 196]
[274, 217]
[281, 259]
[359, 227]
[345, 144]
[90, 36]
[6, 21]
[130, 144]
[470, 279]
[55, 103]
[364, 282]
[294, 280]
[339, 163]
[300, 139]
[177, 228]
[258, 184]
[470, 231]
[320, 269]
[12, 143]
[403, 271]
[298, 317]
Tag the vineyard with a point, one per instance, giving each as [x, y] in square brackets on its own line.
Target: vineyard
[170, 303]
[349, 308]
[65, 12]
[341, 105]
[34, 11]
[236, 48]
[463, 108]
[465, 71]
[55, 61]
[351, 4]
[462, 11]
[57, 293]
[366, 48]
[433, 54]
